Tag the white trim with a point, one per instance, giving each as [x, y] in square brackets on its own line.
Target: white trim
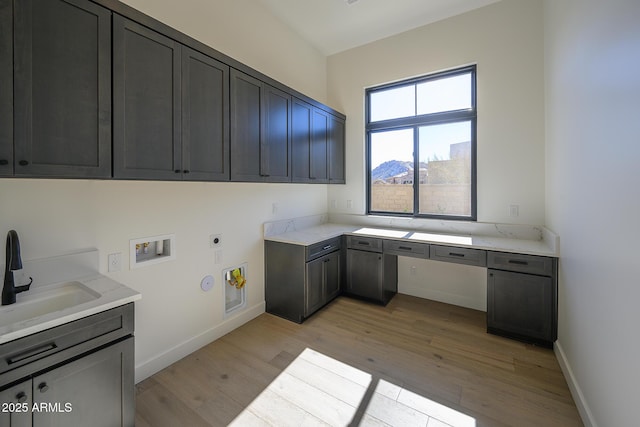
[574, 387]
[157, 363]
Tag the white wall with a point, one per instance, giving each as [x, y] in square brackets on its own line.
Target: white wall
[505, 40]
[174, 316]
[592, 55]
[247, 32]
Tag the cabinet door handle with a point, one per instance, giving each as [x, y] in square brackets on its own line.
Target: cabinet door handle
[364, 243]
[4, 162]
[185, 171]
[29, 353]
[21, 397]
[405, 248]
[43, 387]
[518, 262]
[23, 162]
[456, 254]
[177, 171]
[326, 247]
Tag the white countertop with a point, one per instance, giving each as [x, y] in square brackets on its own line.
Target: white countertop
[107, 293]
[318, 233]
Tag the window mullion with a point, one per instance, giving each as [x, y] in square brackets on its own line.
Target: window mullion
[416, 173]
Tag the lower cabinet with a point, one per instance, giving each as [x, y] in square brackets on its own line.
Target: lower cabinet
[371, 274]
[95, 390]
[322, 282]
[299, 279]
[520, 304]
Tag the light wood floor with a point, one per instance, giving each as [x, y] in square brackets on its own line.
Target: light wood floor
[414, 362]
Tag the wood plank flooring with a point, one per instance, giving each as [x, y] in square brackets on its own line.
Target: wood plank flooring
[413, 362]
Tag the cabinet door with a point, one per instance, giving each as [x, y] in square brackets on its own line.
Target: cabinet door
[301, 117]
[205, 117]
[275, 145]
[18, 399]
[6, 88]
[319, 141]
[62, 89]
[365, 274]
[95, 390]
[314, 285]
[146, 103]
[520, 304]
[246, 109]
[331, 276]
[336, 151]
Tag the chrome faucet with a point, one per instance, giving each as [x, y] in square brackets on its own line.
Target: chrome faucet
[14, 262]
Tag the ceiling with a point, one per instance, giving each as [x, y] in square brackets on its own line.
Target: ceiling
[333, 26]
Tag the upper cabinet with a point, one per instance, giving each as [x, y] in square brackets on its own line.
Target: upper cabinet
[146, 103]
[260, 130]
[6, 87]
[317, 145]
[96, 89]
[205, 117]
[335, 150]
[170, 108]
[62, 88]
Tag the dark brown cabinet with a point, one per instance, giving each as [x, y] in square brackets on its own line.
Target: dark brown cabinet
[260, 130]
[522, 297]
[336, 150]
[205, 117]
[146, 103]
[6, 87]
[317, 145]
[95, 89]
[62, 89]
[76, 374]
[371, 274]
[299, 280]
[323, 282]
[170, 108]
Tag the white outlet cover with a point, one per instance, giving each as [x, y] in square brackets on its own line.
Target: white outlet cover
[207, 283]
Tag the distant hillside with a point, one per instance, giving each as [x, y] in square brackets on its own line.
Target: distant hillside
[393, 168]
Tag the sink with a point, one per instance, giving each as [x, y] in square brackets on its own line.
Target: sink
[45, 300]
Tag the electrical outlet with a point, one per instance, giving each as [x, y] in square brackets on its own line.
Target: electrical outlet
[349, 204]
[514, 210]
[115, 262]
[274, 208]
[334, 204]
[412, 270]
[215, 241]
[217, 257]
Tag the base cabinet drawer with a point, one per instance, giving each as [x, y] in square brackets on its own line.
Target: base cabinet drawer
[540, 265]
[466, 256]
[521, 306]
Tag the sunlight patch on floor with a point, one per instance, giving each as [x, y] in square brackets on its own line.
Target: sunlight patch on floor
[317, 390]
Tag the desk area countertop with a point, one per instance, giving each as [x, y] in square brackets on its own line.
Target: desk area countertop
[306, 233]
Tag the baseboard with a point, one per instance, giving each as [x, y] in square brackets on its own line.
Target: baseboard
[574, 387]
[172, 355]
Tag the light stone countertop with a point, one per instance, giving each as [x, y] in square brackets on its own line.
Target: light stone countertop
[80, 268]
[323, 231]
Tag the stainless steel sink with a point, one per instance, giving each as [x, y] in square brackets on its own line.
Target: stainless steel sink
[45, 300]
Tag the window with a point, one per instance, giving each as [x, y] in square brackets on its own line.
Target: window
[421, 146]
